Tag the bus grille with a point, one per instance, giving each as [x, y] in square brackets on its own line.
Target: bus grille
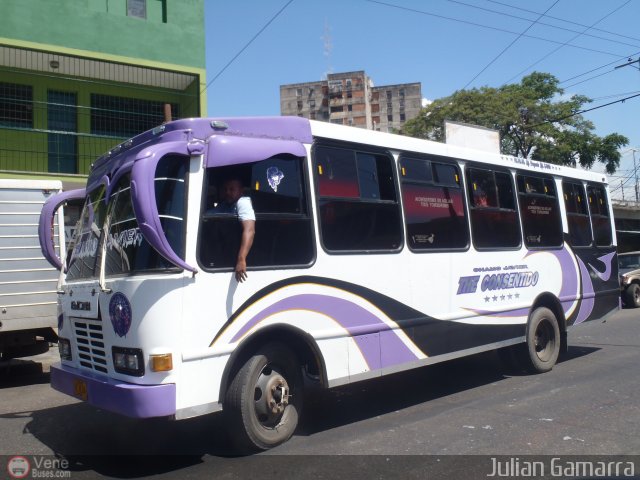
[90, 342]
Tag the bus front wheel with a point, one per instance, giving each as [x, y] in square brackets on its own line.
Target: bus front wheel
[542, 345]
[264, 401]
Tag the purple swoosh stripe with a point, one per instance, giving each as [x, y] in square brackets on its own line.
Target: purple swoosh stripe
[569, 288]
[606, 259]
[355, 319]
[586, 307]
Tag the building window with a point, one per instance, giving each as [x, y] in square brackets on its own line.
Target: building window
[389, 118]
[299, 104]
[359, 209]
[16, 105]
[298, 92]
[403, 117]
[137, 8]
[126, 117]
[350, 108]
[433, 202]
[312, 104]
[389, 94]
[335, 87]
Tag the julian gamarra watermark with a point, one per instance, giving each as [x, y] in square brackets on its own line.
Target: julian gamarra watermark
[515, 467]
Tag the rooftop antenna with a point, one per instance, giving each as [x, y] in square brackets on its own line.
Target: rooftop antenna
[327, 47]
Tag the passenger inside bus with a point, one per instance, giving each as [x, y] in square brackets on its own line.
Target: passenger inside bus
[233, 202]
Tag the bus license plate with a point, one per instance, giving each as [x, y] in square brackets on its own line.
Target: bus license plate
[80, 389]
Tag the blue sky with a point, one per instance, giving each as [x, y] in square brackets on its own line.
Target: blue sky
[446, 45]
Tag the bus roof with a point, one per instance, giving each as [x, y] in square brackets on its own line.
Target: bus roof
[303, 131]
[403, 143]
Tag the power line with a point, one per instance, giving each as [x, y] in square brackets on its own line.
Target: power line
[565, 43]
[614, 95]
[510, 45]
[563, 20]
[598, 68]
[590, 78]
[622, 100]
[497, 12]
[228, 64]
[475, 24]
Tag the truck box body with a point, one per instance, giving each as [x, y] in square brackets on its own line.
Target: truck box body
[28, 283]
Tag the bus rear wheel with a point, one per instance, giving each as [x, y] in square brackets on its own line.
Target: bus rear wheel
[264, 401]
[542, 345]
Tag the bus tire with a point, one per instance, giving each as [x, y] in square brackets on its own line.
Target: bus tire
[264, 400]
[542, 345]
[632, 296]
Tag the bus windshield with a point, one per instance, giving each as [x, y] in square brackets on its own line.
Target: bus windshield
[115, 224]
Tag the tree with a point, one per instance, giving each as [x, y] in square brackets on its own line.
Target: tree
[533, 119]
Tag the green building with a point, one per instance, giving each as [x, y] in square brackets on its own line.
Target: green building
[80, 76]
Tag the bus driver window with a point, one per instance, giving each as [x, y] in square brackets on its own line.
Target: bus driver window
[232, 201]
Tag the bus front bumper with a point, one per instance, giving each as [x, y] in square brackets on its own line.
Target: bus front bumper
[131, 400]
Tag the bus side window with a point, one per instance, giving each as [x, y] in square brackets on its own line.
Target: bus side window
[577, 214]
[598, 208]
[283, 230]
[539, 211]
[433, 204]
[492, 202]
[284, 234]
[359, 209]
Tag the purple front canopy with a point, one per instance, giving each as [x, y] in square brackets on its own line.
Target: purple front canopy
[222, 141]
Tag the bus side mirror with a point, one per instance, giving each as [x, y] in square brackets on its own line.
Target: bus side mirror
[46, 224]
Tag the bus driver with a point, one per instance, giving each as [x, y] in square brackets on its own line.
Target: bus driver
[232, 201]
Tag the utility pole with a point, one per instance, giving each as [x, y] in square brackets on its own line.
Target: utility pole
[635, 171]
[630, 61]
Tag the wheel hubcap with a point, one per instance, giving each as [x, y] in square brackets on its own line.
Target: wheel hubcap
[271, 397]
[544, 341]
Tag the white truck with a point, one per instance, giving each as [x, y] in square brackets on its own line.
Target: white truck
[28, 282]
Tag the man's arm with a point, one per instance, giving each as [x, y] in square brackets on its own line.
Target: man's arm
[248, 232]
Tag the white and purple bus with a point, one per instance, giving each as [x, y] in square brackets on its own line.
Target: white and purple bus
[373, 253]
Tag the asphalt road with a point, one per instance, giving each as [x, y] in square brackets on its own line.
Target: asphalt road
[433, 422]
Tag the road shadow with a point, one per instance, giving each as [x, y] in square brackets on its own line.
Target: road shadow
[18, 373]
[95, 441]
[363, 400]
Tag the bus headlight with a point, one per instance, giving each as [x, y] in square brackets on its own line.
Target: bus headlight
[129, 361]
[64, 348]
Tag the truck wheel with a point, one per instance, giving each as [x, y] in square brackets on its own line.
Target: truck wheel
[542, 342]
[632, 296]
[264, 401]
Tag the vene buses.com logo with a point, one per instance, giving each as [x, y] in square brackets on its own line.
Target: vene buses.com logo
[18, 467]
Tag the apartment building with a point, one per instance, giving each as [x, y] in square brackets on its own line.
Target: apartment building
[350, 98]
